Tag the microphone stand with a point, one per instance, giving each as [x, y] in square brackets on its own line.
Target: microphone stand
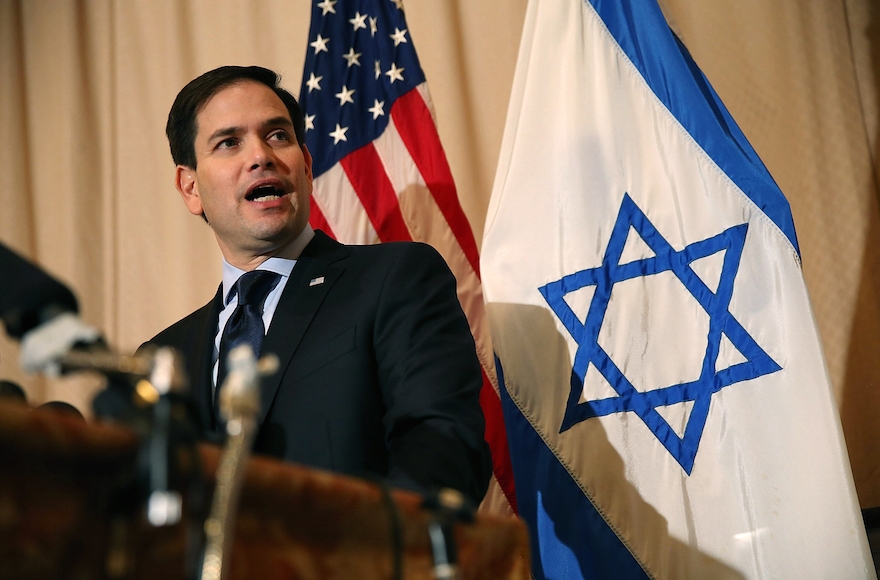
[239, 407]
[148, 393]
[447, 507]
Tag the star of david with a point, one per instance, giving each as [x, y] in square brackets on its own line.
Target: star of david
[721, 323]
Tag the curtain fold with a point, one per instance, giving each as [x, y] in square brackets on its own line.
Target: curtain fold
[86, 184]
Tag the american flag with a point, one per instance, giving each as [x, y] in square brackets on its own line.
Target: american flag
[380, 173]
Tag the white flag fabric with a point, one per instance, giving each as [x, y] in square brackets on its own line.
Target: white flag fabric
[668, 409]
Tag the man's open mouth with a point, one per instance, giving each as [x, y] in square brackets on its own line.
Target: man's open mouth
[265, 193]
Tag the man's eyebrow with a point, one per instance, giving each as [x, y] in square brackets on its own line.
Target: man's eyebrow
[280, 120]
[224, 132]
[230, 131]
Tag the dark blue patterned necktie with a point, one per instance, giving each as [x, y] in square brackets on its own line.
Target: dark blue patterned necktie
[245, 326]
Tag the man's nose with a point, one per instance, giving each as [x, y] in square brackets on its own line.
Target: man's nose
[262, 154]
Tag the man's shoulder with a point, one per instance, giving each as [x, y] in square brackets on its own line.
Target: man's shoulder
[370, 255]
[322, 243]
[187, 329]
[395, 251]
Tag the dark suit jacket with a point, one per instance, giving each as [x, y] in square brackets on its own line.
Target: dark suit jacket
[378, 376]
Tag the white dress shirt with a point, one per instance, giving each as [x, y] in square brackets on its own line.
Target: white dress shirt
[231, 274]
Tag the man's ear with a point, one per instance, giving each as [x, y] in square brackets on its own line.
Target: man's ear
[185, 182]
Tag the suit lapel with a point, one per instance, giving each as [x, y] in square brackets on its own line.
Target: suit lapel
[200, 365]
[316, 270]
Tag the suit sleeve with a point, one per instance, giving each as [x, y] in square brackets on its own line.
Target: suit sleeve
[431, 379]
[29, 296]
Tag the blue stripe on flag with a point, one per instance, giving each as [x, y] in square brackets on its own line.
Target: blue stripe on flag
[675, 78]
[569, 539]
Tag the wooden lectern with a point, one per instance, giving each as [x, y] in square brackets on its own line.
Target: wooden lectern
[60, 516]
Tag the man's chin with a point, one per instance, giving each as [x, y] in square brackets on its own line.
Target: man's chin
[275, 241]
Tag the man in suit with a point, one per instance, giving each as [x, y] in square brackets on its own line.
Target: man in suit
[378, 375]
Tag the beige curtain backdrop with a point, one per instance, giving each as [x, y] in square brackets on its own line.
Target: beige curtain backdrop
[86, 177]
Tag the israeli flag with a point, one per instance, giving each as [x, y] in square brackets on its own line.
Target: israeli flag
[668, 409]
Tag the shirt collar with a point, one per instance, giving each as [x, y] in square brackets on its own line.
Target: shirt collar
[281, 266]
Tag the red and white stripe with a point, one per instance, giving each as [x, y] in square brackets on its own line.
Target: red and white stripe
[414, 198]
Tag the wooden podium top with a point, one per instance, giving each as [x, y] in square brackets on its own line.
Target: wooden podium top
[62, 516]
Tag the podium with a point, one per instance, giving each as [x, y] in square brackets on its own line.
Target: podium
[60, 516]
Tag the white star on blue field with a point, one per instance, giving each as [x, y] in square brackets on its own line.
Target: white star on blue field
[721, 322]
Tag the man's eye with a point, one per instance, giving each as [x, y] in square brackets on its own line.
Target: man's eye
[280, 136]
[227, 143]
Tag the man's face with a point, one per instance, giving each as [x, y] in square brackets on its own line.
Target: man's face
[253, 180]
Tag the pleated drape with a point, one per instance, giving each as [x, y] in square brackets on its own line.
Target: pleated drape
[86, 178]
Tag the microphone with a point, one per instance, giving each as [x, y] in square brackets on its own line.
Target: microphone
[447, 507]
[41, 312]
[28, 295]
[44, 348]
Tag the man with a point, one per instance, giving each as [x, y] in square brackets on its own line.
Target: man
[378, 374]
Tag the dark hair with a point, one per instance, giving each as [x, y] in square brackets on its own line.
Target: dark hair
[181, 128]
